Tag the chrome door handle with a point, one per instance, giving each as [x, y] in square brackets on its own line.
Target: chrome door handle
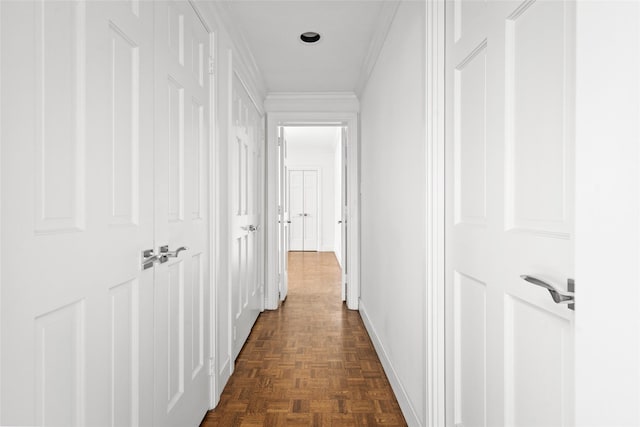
[340, 222]
[165, 253]
[149, 258]
[559, 296]
[253, 228]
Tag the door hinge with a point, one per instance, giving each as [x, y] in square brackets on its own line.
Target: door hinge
[211, 65]
[211, 366]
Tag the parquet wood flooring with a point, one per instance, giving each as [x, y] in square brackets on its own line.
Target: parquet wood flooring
[311, 363]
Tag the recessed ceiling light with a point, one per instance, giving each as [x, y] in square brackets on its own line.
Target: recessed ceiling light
[310, 37]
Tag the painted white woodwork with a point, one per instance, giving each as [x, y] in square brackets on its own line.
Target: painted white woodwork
[510, 193]
[311, 102]
[284, 222]
[338, 196]
[342, 202]
[181, 103]
[303, 209]
[338, 118]
[434, 266]
[246, 212]
[607, 226]
[393, 211]
[77, 209]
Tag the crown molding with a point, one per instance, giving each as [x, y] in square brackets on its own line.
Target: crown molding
[218, 13]
[383, 24]
[312, 102]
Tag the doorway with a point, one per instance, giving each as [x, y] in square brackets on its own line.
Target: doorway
[310, 192]
[330, 162]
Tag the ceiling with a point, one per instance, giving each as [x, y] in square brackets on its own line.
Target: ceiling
[316, 137]
[272, 29]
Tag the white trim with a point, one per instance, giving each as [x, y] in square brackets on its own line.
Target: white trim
[311, 102]
[382, 26]
[409, 412]
[436, 404]
[1, 148]
[218, 15]
[228, 204]
[275, 119]
[214, 203]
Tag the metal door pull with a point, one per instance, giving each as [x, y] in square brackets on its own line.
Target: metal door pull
[165, 253]
[559, 296]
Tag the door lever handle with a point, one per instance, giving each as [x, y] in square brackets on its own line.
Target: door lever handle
[165, 253]
[559, 296]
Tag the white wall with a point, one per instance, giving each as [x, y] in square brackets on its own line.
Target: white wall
[314, 147]
[393, 180]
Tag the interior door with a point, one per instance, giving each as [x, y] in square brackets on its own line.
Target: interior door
[510, 202]
[310, 210]
[181, 224]
[246, 182]
[77, 209]
[303, 210]
[283, 208]
[296, 210]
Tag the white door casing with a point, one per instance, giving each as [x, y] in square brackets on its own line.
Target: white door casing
[284, 220]
[339, 118]
[246, 139]
[510, 151]
[302, 205]
[181, 215]
[344, 241]
[78, 155]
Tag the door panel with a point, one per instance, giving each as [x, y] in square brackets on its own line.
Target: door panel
[510, 169]
[310, 198]
[77, 209]
[246, 182]
[296, 210]
[181, 185]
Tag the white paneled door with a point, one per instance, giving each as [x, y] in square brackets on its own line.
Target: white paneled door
[247, 136]
[89, 337]
[181, 216]
[303, 210]
[511, 154]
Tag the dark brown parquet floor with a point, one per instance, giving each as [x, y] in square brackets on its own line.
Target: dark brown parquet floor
[310, 363]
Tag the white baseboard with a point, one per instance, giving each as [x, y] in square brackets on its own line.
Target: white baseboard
[325, 248]
[407, 408]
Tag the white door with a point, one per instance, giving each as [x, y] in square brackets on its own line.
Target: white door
[77, 209]
[303, 210]
[310, 215]
[296, 210]
[246, 181]
[181, 186]
[283, 217]
[510, 199]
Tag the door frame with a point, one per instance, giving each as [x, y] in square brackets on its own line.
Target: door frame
[318, 171]
[607, 199]
[275, 120]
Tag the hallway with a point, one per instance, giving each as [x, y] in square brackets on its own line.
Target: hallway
[311, 363]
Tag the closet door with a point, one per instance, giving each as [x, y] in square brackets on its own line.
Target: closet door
[310, 198]
[77, 209]
[296, 210]
[181, 316]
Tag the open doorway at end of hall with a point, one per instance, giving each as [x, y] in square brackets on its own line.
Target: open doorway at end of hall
[311, 193]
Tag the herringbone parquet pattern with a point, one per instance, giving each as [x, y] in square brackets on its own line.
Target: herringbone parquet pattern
[311, 363]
